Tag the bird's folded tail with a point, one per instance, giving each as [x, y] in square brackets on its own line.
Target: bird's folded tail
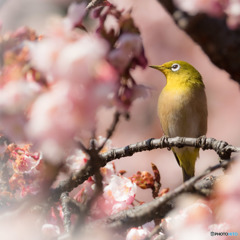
[185, 175]
[186, 158]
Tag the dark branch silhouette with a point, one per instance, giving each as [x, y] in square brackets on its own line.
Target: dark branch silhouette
[220, 43]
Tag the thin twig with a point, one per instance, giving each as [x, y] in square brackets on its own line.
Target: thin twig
[70, 206]
[205, 186]
[93, 161]
[66, 211]
[81, 145]
[94, 3]
[155, 231]
[111, 130]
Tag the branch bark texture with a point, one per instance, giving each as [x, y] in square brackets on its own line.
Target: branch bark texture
[222, 148]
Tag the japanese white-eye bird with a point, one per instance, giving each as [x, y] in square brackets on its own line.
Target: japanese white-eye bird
[182, 109]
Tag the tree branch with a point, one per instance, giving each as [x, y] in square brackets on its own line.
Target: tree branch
[159, 207]
[222, 148]
[220, 43]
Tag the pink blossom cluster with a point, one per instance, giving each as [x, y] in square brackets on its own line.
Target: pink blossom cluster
[28, 174]
[26, 171]
[126, 51]
[53, 85]
[78, 80]
[118, 191]
[217, 8]
[201, 218]
[81, 81]
[51, 88]
[140, 233]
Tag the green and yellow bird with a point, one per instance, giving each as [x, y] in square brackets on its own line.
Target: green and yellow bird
[182, 109]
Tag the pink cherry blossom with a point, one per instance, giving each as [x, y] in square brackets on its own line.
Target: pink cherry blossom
[119, 193]
[128, 47]
[224, 227]
[120, 189]
[50, 231]
[85, 191]
[107, 172]
[193, 216]
[69, 55]
[81, 79]
[111, 24]
[196, 232]
[141, 232]
[25, 161]
[233, 12]
[26, 166]
[212, 7]
[216, 8]
[137, 234]
[75, 15]
[53, 122]
[76, 161]
[15, 99]
[228, 197]
[18, 87]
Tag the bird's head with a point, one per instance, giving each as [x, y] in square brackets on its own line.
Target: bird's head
[179, 71]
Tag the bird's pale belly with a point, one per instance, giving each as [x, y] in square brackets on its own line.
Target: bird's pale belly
[180, 116]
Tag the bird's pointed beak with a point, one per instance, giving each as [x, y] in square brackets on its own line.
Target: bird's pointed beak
[158, 67]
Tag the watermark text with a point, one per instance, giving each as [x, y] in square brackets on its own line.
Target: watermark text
[224, 234]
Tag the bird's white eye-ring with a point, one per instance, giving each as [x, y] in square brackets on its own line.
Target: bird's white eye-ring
[175, 67]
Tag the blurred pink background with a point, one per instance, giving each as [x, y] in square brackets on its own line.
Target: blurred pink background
[163, 42]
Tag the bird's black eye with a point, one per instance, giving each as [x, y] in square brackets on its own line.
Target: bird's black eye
[175, 67]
